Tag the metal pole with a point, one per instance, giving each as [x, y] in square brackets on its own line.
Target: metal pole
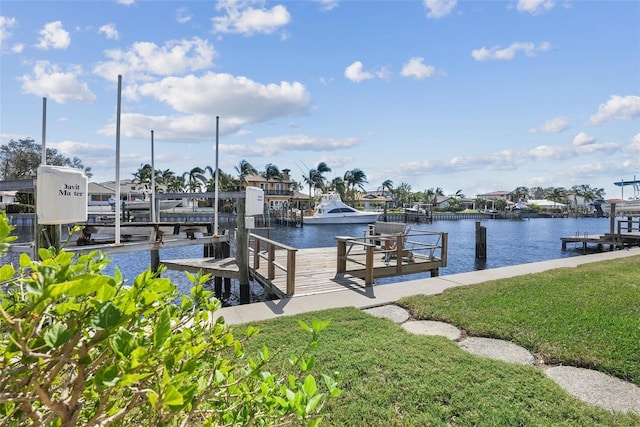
[117, 241]
[43, 161]
[153, 184]
[215, 199]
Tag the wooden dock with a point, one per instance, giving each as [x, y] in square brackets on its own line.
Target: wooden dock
[622, 233]
[354, 264]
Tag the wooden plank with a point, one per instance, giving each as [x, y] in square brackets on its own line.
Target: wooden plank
[316, 270]
[218, 267]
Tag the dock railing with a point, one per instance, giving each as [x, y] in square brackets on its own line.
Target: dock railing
[265, 248]
[426, 246]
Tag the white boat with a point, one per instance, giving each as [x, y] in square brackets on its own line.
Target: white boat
[331, 210]
[416, 209]
[145, 205]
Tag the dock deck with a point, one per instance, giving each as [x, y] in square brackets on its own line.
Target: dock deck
[353, 264]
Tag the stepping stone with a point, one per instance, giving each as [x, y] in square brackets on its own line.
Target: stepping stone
[498, 350]
[597, 388]
[392, 312]
[430, 327]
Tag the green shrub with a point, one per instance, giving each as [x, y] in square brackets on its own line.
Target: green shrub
[79, 347]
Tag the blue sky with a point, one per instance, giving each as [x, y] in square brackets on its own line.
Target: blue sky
[468, 95]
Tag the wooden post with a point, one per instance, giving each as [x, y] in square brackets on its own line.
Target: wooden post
[271, 257]
[612, 226]
[155, 260]
[242, 254]
[368, 272]
[47, 236]
[481, 241]
[341, 266]
[291, 272]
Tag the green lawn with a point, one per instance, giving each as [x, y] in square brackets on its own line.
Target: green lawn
[588, 316]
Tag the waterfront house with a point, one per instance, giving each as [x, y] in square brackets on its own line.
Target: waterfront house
[279, 193]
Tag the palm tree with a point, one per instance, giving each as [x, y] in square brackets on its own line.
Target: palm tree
[244, 169]
[195, 179]
[432, 195]
[315, 177]
[271, 171]
[354, 178]
[402, 192]
[176, 184]
[387, 185]
[338, 185]
[520, 194]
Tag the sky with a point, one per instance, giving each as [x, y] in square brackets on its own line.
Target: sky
[463, 95]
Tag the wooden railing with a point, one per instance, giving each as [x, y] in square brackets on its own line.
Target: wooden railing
[256, 245]
[397, 246]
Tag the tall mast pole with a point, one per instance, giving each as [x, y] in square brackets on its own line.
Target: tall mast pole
[153, 183]
[215, 202]
[117, 242]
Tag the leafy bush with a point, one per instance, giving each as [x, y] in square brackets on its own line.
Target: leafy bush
[78, 347]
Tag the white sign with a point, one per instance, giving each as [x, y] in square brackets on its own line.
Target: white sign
[61, 195]
[254, 201]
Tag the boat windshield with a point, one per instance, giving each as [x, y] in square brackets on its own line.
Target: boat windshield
[339, 210]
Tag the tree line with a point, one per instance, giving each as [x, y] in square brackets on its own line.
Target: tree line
[19, 159]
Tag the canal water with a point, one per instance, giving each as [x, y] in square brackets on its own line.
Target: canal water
[509, 242]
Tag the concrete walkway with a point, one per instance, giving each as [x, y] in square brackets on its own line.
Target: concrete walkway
[390, 293]
[591, 387]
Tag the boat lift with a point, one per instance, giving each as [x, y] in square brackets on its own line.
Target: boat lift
[635, 183]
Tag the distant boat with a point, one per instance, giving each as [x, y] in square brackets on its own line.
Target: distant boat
[331, 210]
[145, 205]
[416, 209]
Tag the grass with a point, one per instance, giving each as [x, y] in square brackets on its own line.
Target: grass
[390, 377]
[587, 316]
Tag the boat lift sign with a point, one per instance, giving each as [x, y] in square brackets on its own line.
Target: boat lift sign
[254, 201]
[61, 195]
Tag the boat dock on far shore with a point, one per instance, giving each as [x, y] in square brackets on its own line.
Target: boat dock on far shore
[622, 233]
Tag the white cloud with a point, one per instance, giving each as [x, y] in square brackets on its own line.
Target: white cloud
[306, 143]
[239, 100]
[327, 5]
[182, 15]
[354, 73]
[126, 2]
[618, 107]
[5, 25]
[635, 143]
[557, 124]
[508, 53]
[507, 160]
[62, 86]
[110, 31]
[583, 138]
[535, 7]
[439, 8]
[241, 18]
[272, 146]
[5, 35]
[144, 59]
[417, 69]
[54, 36]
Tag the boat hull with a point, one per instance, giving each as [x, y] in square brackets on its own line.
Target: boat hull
[340, 219]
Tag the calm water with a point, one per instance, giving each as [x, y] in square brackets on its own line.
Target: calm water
[508, 243]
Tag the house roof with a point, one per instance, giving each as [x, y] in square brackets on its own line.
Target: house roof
[495, 194]
[95, 188]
